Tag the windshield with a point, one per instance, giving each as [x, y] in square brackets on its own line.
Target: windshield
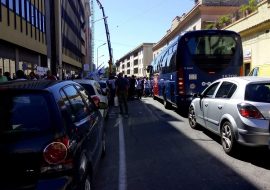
[22, 113]
[211, 45]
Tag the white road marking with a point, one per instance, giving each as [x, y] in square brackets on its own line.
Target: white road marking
[122, 156]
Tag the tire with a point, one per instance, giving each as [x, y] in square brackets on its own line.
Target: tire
[228, 140]
[192, 118]
[87, 183]
[154, 97]
[103, 153]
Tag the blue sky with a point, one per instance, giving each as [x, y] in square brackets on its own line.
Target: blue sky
[132, 23]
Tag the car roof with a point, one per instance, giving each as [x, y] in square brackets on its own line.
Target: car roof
[85, 81]
[34, 84]
[246, 79]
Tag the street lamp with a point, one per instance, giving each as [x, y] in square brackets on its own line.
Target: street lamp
[97, 52]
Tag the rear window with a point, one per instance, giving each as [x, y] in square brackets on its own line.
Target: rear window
[258, 93]
[102, 84]
[23, 113]
[89, 89]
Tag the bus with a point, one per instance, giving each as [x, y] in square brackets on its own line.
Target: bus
[191, 62]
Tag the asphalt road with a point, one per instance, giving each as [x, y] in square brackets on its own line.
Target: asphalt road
[155, 148]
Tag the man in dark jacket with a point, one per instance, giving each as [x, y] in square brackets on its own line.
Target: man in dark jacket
[121, 87]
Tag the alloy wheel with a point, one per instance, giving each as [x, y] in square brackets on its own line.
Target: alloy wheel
[227, 137]
[192, 118]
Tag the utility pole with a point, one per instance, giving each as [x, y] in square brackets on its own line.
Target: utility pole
[108, 37]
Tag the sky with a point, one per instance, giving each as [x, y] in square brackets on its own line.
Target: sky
[132, 23]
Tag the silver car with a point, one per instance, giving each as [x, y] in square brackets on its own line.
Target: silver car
[237, 109]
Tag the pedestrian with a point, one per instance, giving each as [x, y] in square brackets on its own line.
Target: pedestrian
[111, 84]
[20, 75]
[32, 76]
[7, 74]
[50, 76]
[121, 86]
[2, 77]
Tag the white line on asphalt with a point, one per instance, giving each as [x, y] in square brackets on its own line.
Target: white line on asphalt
[122, 156]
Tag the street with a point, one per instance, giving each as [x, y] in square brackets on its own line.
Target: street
[155, 148]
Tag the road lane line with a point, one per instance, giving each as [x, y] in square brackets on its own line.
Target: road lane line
[122, 156]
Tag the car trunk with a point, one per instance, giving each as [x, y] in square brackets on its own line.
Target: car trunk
[21, 158]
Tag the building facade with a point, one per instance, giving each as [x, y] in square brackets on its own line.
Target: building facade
[22, 35]
[136, 61]
[254, 29]
[202, 14]
[50, 34]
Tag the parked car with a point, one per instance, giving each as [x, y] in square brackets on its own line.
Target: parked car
[235, 108]
[51, 135]
[96, 93]
[104, 86]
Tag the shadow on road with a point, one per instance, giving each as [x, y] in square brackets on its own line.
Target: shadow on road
[158, 156]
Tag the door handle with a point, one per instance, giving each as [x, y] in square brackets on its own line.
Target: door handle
[220, 107]
[206, 105]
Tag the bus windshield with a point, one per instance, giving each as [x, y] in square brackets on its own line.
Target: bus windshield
[211, 45]
[212, 53]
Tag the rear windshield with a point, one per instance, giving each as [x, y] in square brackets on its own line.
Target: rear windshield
[258, 93]
[23, 113]
[89, 89]
[102, 84]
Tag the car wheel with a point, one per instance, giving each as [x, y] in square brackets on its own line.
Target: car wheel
[192, 118]
[103, 146]
[87, 183]
[227, 138]
[166, 104]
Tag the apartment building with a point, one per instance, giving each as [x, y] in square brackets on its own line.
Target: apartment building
[202, 14]
[254, 29]
[136, 61]
[49, 34]
[22, 35]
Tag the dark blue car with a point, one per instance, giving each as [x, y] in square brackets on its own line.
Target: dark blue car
[51, 135]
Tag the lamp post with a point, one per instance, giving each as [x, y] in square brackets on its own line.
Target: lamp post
[97, 52]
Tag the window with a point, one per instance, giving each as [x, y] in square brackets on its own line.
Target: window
[23, 8]
[4, 2]
[32, 15]
[27, 10]
[209, 92]
[17, 6]
[10, 4]
[78, 107]
[135, 62]
[84, 94]
[136, 70]
[258, 92]
[36, 17]
[226, 90]
[20, 113]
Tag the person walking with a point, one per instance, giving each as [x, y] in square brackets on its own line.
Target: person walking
[50, 76]
[20, 75]
[2, 77]
[121, 87]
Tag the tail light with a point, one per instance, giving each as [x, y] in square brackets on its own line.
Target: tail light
[241, 71]
[181, 83]
[96, 100]
[56, 155]
[249, 111]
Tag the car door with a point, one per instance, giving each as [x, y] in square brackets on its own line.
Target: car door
[97, 123]
[83, 122]
[217, 103]
[207, 99]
